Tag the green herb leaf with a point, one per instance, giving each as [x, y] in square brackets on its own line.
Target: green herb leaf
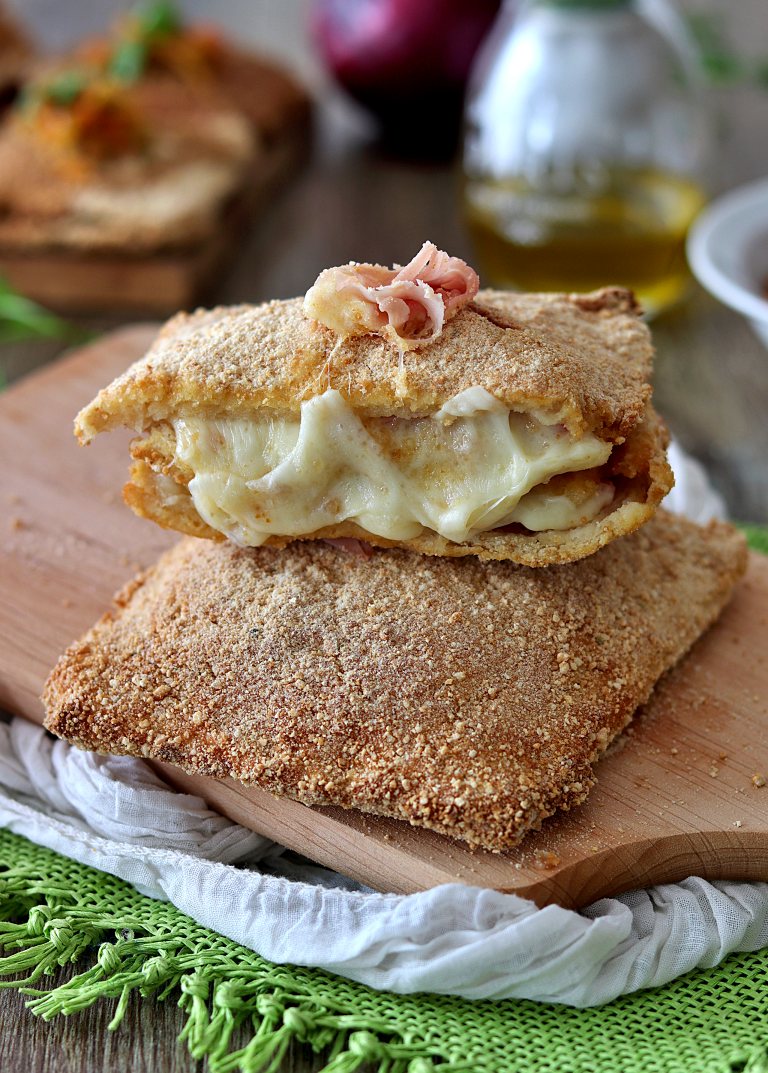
[128, 61]
[157, 18]
[720, 62]
[66, 87]
[757, 535]
[21, 318]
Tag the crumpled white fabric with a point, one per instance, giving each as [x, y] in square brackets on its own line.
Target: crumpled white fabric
[114, 814]
[692, 495]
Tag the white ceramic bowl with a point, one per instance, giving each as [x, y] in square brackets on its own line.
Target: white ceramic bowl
[728, 252]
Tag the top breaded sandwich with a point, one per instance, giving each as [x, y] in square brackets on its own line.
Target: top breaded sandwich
[400, 407]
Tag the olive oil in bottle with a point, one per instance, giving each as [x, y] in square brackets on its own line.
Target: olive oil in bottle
[585, 148]
[631, 232]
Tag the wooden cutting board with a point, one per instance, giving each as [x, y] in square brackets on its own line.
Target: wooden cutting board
[675, 796]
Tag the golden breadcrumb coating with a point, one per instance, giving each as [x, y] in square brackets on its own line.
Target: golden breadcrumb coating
[585, 359]
[464, 696]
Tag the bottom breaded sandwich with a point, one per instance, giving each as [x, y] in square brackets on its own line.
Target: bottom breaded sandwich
[467, 696]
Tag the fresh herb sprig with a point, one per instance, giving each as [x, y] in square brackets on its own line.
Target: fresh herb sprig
[157, 19]
[21, 318]
[721, 63]
[149, 23]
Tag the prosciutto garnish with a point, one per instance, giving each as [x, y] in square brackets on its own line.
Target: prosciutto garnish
[407, 305]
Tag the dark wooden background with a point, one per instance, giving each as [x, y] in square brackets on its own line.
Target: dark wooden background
[351, 203]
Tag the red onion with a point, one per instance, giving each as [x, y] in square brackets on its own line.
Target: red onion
[407, 61]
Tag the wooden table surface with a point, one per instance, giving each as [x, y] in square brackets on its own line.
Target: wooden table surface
[711, 384]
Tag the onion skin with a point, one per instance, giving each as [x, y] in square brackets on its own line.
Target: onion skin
[407, 61]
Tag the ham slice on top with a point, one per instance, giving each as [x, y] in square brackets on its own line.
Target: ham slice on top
[408, 306]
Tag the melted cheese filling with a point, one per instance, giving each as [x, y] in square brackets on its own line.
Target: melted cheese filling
[473, 466]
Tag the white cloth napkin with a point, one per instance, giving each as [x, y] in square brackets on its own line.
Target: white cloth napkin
[114, 814]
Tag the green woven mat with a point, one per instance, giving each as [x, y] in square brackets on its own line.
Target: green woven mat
[53, 910]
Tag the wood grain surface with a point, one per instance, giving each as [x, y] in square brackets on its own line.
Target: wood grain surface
[675, 796]
[145, 1042]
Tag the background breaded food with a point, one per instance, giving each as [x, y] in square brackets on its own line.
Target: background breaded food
[205, 144]
[200, 150]
[464, 696]
[584, 358]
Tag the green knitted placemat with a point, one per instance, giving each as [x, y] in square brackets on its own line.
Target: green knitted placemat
[53, 910]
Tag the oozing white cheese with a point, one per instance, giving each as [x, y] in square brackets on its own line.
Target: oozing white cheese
[467, 469]
[540, 509]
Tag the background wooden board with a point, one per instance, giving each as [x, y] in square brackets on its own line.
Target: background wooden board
[674, 798]
[146, 1041]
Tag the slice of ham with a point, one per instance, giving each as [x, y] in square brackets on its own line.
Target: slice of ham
[450, 277]
[408, 305]
[350, 544]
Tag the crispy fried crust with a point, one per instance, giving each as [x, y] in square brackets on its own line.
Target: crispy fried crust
[158, 491]
[585, 359]
[463, 696]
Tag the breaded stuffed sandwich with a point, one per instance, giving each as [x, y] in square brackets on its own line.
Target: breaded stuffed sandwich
[399, 407]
